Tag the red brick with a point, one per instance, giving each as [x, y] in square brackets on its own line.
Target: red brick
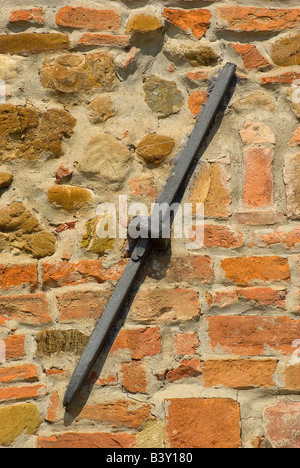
[66, 274]
[195, 21]
[31, 309]
[52, 410]
[253, 19]
[202, 423]
[134, 377]
[130, 414]
[14, 347]
[239, 373]
[222, 236]
[77, 305]
[141, 342]
[34, 16]
[186, 343]
[281, 78]
[18, 275]
[187, 368]
[253, 335]
[245, 270]
[22, 393]
[258, 178]
[259, 296]
[166, 305]
[281, 421]
[105, 40]
[88, 18]
[252, 58]
[88, 440]
[26, 372]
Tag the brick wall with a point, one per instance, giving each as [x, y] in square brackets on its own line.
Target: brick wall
[99, 97]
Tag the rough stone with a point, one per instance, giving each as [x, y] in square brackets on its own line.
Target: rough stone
[51, 342]
[74, 72]
[24, 43]
[20, 229]
[286, 51]
[143, 23]
[106, 161]
[68, 197]
[15, 419]
[8, 68]
[291, 172]
[101, 109]
[5, 180]
[155, 148]
[92, 242]
[26, 133]
[162, 96]
[195, 54]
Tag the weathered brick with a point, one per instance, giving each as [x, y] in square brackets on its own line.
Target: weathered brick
[197, 100]
[88, 440]
[257, 132]
[258, 187]
[295, 141]
[141, 342]
[24, 372]
[252, 58]
[105, 40]
[281, 78]
[22, 393]
[18, 275]
[222, 236]
[166, 305]
[195, 22]
[134, 377]
[281, 422]
[245, 270]
[202, 423]
[32, 309]
[186, 343]
[239, 373]
[66, 274]
[253, 335]
[76, 305]
[291, 174]
[268, 296]
[187, 368]
[52, 410]
[34, 16]
[14, 347]
[24, 43]
[117, 413]
[193, 268]
[88, 18]
[286, 236]
[255, 19]
[291, 377]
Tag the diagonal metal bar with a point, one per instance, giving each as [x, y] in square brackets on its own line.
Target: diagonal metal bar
[168, 195]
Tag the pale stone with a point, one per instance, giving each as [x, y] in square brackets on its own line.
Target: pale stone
[101, 109]
[162, 96]
[15, 419]
[8, 68]
[291, 172]
[190, 51]
[106, 160]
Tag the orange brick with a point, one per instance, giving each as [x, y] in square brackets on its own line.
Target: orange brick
[222, 236]
[88, 440]
[32, 309]
[186, 343]
[295, 141]
[27, 372]
[245, 270]
[118, 413]
[251, 57]
[77, 305]
[281, 422]
[187, 368]
[22, 393]
[195, 21]
[134, 377]
[52, 410]
[105, 40]
[34, 16]
[88, 18]
[258, 178]
[202, 423]
[14, 347]
[18, 275]
[140, 341]
[253, 19]
[240, 374]
[253, 335]
[197, 99]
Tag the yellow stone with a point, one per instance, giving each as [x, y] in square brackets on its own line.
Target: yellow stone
[143, 23]
[18, 418]
[155, 148]
[68, 197]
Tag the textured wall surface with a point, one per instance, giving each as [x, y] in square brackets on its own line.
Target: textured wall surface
[97, 98]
